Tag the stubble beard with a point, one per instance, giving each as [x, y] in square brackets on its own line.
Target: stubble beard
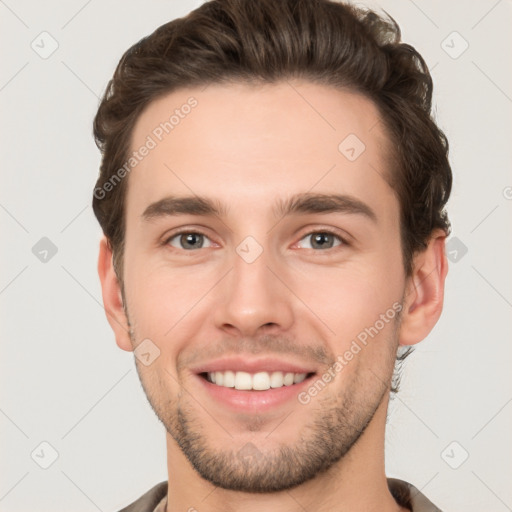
[337, 424]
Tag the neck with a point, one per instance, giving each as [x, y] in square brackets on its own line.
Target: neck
[357, 482]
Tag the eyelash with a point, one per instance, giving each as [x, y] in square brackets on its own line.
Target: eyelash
[326, 231]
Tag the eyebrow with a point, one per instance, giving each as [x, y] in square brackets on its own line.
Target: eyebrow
[303, 203]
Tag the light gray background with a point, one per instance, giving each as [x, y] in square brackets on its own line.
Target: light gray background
[63, 379]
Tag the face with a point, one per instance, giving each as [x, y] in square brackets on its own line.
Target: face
[263, 240]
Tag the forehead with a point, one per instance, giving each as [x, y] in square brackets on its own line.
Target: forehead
[244, 143]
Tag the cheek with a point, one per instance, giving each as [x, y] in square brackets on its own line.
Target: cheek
[353, 298]
[351, 308]
[161, 300]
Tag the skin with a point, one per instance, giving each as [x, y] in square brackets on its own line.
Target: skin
[248, 146]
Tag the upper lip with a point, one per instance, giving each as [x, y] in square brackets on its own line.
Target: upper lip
[243, 364]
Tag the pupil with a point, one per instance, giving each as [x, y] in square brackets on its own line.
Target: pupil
[321, 239]
[190, 239]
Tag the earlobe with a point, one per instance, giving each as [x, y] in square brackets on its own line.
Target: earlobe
[424, 297]
[112, 297]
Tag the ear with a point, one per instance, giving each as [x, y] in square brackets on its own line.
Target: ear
[112, 298]
[424, 297]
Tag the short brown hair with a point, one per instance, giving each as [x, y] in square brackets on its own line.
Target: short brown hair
[248, 41]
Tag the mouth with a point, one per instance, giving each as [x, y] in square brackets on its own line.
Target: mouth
[254, 385]
[259, 381]
[254, 393]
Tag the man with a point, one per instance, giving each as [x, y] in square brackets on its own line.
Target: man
[272, 195]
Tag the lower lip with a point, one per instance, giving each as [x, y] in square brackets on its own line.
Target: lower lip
[251, 400]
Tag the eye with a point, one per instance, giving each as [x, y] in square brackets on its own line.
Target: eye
[189, 240]
[322, 240]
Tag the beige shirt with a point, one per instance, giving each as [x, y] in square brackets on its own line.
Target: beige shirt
[405, 494]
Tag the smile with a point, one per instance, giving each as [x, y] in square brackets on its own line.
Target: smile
[260, 381]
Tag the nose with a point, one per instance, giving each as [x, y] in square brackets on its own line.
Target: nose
[253, 298]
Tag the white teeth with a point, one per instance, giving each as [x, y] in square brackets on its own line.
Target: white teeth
[298, 377]
[288, 379]
[243, 380]
[276, 380]
[229, 379]
[260, 381]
